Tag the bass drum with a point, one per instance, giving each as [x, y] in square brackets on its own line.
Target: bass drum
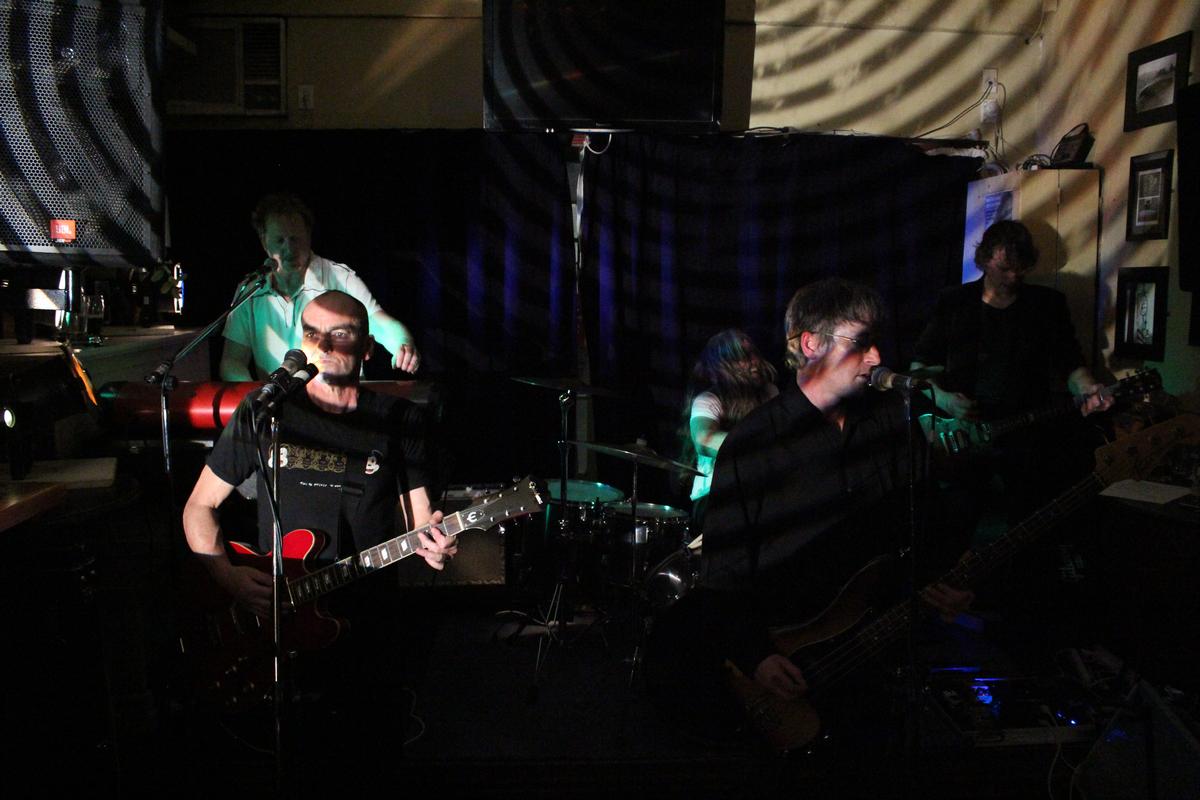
[673, 577]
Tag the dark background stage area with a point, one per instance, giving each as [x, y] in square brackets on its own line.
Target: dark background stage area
[563, 201]
[466, 237]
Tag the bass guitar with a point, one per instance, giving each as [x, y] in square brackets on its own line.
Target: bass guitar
[846, 635]
[232, 650]
[958, 437]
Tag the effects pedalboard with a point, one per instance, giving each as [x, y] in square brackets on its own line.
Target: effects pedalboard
[1013, 711]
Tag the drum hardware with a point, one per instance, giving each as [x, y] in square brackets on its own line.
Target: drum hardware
[639, 454]
[672, 578]
[561, 611]
[573, 385]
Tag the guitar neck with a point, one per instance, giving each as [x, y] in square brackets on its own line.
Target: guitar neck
[318, 583]
[523, 498]
[889, 626]
[1047, 412]
[1140, 383]
[1134, 455]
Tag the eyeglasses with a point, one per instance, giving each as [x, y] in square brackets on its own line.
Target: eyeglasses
[862, 344]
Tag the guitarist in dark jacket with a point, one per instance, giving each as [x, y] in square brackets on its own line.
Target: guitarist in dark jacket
[807, 489]
[1005, 346]
[1003, 343]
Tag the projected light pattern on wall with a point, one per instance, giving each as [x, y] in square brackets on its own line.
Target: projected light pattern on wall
[79, 133]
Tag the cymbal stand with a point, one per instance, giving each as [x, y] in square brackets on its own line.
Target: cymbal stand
[636, 568]
[555, 618]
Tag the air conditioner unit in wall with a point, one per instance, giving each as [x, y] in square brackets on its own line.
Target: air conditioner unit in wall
[226, 66]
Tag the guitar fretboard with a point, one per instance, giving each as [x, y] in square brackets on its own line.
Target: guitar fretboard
[1142, 382]
[877, 635]
[320, 582]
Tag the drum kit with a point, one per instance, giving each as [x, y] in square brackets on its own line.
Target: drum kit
[615, 534]
[614, 544]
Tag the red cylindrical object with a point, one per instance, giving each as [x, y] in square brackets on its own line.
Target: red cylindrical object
[204, 409]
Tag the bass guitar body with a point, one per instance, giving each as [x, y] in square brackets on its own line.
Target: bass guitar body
[791, 725]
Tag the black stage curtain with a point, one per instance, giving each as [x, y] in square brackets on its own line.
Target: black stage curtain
[683, 237]
[465, 236]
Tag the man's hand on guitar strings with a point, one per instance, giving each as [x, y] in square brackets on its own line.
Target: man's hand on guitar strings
[947, 601]
[777, 673]
[1095, 398]
[436, 547]
[249, 587]
[956, 404]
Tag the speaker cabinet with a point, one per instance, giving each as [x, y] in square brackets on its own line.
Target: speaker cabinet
[80, 136]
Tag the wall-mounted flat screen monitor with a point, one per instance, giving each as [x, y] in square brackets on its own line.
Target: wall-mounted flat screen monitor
[603, 64]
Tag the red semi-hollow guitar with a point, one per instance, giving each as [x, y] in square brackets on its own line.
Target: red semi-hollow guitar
[232, 650]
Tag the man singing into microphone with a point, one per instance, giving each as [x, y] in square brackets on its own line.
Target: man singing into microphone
[807, 489]
[352, 465]
[268, 325]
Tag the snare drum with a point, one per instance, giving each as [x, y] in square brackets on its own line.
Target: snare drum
[630, 550]
[586, 509]
[663, 526]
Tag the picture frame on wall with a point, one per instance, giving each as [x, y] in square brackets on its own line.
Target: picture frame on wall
[1155, 76]
[1149, 212]
[1142, 313]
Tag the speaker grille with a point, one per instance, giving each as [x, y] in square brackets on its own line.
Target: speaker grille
[79, 132]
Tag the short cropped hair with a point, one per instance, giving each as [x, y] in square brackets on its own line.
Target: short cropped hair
[1010, 237]
[279, 204]
[820, 306]
[349, 305]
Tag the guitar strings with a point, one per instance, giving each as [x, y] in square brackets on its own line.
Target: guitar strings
[873, 638]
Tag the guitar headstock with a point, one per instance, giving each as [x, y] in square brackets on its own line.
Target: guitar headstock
[1144, 381]
[526, 496]
[1135, 455]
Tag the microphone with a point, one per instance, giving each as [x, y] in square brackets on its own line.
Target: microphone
[254, 280]
[287, 386]
[277, 382]
[884, 379]
[302, 376]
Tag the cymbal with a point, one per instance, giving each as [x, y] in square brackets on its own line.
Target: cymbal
[639, 454]
[578, 387]
[585, 492]
[925, 373]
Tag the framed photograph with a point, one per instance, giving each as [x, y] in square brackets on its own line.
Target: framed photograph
[1142, 313]
[1149, 213]
[1153, 80]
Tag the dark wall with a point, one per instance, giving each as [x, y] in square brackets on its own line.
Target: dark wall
[462, 235]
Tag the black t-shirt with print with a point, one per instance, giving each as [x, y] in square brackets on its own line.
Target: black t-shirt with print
[381, 443]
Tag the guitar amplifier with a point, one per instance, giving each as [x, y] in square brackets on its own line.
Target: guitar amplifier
[482, 555]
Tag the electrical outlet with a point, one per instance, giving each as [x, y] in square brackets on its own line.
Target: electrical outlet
[304, 97]
[989, 77]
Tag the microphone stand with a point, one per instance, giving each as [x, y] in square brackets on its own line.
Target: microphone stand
[166, 381]
[913, 691]
[278, 586]
[555, 619]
